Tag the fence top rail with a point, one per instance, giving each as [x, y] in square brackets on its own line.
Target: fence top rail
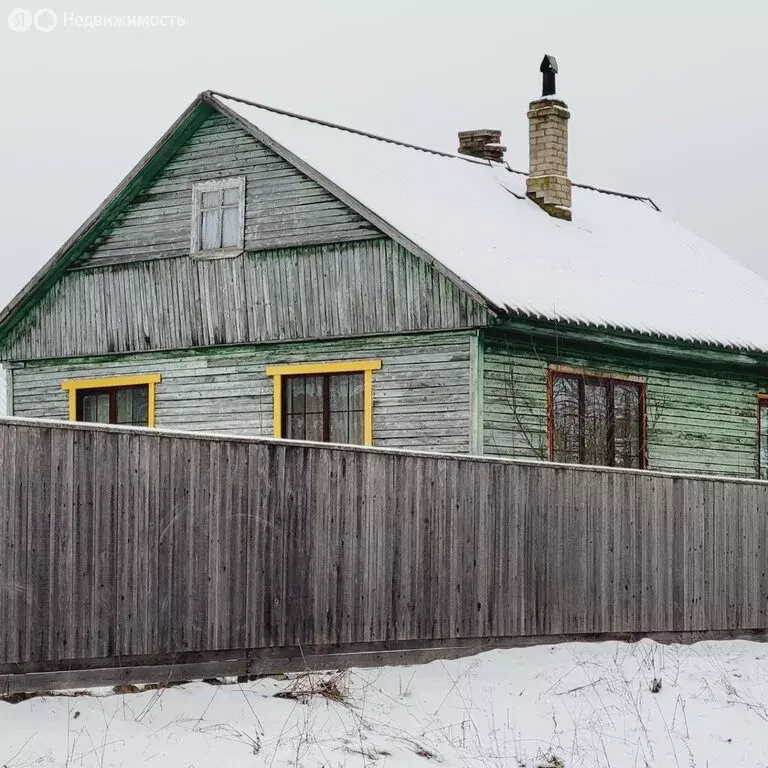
[6, 421]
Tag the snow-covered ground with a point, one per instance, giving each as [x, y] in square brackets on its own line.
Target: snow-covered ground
[569, 705]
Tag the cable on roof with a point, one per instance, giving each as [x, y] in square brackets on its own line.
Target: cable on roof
[356, 131]
[397, 142]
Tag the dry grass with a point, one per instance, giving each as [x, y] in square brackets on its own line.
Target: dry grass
[550, 760]
[327, 685]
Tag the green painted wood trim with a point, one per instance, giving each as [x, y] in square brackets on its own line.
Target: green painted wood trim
[638, 346]
[477, 369]
[228, 349]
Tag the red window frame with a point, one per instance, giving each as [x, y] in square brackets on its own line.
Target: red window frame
[554, 372]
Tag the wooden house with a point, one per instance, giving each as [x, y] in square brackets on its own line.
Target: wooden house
[264, 273]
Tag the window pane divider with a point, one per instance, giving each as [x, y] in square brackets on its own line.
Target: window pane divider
[366, 367]
[151, 380]
[608, 381]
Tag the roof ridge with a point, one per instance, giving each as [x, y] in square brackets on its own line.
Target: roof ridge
[346, 128]
[408, 145]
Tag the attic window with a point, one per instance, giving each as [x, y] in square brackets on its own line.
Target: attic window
[218, 216]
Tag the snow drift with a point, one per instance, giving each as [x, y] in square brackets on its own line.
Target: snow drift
[572, 705]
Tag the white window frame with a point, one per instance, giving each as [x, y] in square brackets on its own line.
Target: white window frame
[212, 185]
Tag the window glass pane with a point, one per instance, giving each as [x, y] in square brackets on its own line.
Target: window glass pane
[230, 224]
[339, 427]
[356, 419]
[339, 385]
[347, 392]
[132, 406]
[141, 406]
[314, 394]
[210, 231]
[232, 196]
[294, 427]
[627, 425]
[95, 407]
[566, 419]
[303, 403]
[326, 407]
[294, 395]
[124, 399]
[596, 420]
[314, 426]
[356, 392]
[346, 408]
[211, 199]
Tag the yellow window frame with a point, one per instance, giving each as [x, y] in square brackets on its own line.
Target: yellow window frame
[73, 386]
[366, 367]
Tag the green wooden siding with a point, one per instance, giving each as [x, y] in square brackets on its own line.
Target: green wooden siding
[283, 207]
[312, 268]
[421, 395]
[345, 289]
[700, 419]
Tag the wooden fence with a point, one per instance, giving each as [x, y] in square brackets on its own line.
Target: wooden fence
[145, 553]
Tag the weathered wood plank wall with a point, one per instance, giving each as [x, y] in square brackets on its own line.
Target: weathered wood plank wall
[357, 288]
[699, 419]
[5, 391]
[311, 268]
[421, 395]
[117, 542]
[283, 207]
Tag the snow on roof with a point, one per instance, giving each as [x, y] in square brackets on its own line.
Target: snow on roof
[620, 263]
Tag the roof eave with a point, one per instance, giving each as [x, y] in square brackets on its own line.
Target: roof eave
[634, 341]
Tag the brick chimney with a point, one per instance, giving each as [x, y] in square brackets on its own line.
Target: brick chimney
[548, 184]
[484, 143]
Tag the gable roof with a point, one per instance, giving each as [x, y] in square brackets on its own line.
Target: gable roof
[619, 264]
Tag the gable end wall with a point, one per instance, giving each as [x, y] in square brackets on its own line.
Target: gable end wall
[315, 292]
[312, 268]
[283, 207]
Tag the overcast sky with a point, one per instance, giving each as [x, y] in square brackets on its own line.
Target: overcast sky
[667, 97]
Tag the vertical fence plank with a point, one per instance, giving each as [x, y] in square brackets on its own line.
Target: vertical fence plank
[119, 543]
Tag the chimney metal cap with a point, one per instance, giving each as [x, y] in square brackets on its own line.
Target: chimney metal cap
[548, 71]
[548, 64]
